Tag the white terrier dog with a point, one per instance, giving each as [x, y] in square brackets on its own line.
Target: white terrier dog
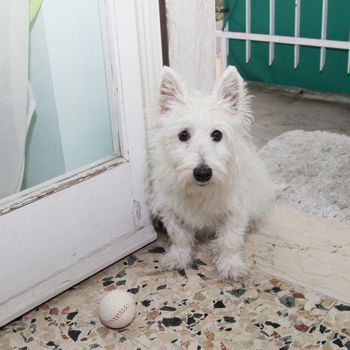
[205, 176]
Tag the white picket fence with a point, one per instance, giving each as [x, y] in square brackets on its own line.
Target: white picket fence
[323, 43]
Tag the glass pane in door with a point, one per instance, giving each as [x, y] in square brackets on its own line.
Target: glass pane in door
[73, 124]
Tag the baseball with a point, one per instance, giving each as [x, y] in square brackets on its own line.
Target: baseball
[117, 309]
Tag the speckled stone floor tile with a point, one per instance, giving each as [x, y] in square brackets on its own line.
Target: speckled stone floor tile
[334, 331]
[191, 309]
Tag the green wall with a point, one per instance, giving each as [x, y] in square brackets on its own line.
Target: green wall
[333, 78]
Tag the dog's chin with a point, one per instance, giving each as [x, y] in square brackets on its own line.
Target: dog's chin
[202, 184]
[195, 188]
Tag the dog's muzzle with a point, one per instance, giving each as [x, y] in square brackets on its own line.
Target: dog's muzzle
[202, 173]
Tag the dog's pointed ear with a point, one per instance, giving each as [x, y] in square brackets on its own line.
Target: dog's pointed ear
[171, 90]
[230, 89]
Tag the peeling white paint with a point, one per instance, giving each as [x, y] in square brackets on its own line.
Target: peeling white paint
[191, 31]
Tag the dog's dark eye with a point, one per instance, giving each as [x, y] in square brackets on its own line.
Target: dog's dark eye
[184, 135]
[216, 135]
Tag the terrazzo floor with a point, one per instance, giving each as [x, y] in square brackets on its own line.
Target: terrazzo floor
[191, 309]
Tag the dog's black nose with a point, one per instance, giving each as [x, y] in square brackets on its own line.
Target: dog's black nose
[202, 173]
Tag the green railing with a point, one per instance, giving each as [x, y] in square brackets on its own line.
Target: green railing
[271, 60]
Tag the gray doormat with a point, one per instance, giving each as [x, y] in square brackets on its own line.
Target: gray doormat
[315, 167]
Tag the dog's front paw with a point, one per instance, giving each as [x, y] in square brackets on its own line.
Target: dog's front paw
[175, 259]
[231, 267]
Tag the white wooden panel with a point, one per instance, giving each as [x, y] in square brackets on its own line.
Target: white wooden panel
[57, 234]
[84, 268]
[224, 53]
[57, 241]
[148, 19]
[68, 225]
[191, 29]
[133, 113]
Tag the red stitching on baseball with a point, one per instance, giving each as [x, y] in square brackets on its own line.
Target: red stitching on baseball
[118, 314]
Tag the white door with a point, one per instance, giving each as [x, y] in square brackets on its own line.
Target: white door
[60, 231]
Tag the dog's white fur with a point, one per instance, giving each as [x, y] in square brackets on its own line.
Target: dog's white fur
[239, 192]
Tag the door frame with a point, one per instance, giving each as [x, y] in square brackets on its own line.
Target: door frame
[84, 221]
